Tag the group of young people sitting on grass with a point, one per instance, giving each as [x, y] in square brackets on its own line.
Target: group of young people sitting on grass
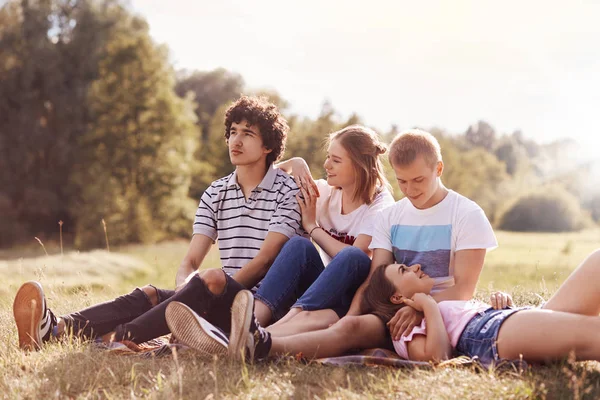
[324, 267]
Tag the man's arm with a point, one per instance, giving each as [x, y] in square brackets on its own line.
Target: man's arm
[467, 268]
[380, 256]
[257, 268]
[198, 249]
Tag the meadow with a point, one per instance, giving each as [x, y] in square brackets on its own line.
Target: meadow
[530, 266]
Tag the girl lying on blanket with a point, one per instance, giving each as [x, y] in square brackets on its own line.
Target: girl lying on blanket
[569, 321]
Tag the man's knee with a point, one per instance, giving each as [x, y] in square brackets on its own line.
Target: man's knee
[151, 293]
[214, 279]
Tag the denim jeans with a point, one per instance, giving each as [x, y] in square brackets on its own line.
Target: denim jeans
[294, 270]
[335, 287]
[132, 317]
[480, 336]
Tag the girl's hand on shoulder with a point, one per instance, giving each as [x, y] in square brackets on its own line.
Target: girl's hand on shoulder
[302, 175]
[419, 301]
[500, 300]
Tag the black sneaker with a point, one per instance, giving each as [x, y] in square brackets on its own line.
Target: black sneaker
[34, 320]
[194, 331]
[248, 339]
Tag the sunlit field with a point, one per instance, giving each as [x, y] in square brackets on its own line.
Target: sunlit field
[531, 266]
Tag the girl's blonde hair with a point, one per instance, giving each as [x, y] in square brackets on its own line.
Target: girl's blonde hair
[364, 147]
[377, 294]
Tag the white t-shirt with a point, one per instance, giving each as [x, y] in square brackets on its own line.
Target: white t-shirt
[346, 227]
[432, 236]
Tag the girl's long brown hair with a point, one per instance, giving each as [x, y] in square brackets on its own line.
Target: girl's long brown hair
[377, 294]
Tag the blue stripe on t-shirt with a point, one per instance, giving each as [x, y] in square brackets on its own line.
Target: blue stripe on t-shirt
[422, 238]
[434, 263]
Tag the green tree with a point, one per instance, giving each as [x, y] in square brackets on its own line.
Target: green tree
[481, 134]
[210, 90]
[137, 156]
[49, 50]
[476, 174]
[514, 155]
[546, 209]
[308, 138]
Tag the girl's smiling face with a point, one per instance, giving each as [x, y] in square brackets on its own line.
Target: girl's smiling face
[408, 280]
[339, 167]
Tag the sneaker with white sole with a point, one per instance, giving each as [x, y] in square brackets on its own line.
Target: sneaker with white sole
[240, 339]
[248, 340]
[34, 320]
[194, 331]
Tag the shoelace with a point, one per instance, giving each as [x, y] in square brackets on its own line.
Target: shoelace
[261, 335]
[51, 320]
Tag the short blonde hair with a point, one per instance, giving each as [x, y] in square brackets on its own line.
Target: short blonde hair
[407, 145]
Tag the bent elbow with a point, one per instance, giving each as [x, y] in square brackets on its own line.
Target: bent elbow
[441, 354]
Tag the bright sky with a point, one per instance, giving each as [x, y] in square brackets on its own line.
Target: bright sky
[528, 65]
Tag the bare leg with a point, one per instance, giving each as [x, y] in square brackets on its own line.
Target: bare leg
[545, 335]
[348, 333]
[290, 314]
[580, 293]
[305, 321]
[263, 313]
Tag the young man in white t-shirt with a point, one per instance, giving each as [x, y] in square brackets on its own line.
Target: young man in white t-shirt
[445, 232]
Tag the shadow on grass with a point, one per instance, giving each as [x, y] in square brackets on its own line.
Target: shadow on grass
[88, 372]
[79, 370]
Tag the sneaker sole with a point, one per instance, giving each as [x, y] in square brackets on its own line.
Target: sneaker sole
[187, 328]
[27, 309]
[241, 316]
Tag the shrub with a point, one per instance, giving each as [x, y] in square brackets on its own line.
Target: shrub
[548, 209]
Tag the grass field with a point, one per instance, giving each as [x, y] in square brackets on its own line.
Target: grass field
[531, 266]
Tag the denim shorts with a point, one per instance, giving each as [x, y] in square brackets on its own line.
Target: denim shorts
[480, 336]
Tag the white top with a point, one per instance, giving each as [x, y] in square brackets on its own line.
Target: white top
[346, 227]
[432, 236]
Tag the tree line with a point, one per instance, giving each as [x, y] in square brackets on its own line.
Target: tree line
[96, 125]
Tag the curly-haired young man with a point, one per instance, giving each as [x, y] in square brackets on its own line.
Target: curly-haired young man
[251, 213]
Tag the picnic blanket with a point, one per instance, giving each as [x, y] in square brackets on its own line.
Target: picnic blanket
[378, 356]
[370, 357]
[373, 357]
[382, 357]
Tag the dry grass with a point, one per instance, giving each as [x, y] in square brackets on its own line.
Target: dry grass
[70, 369]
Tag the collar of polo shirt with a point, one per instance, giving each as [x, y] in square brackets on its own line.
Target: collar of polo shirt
[267, 182]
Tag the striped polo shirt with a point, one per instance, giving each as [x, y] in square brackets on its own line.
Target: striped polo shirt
[240, 225]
